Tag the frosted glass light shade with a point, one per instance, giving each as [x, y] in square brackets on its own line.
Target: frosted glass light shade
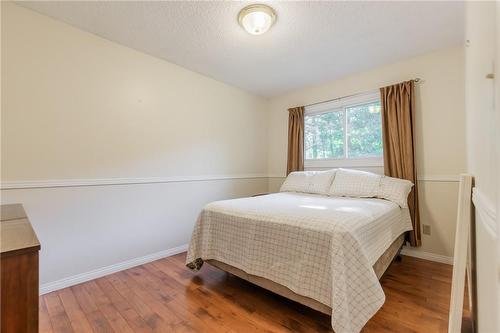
[256, 19]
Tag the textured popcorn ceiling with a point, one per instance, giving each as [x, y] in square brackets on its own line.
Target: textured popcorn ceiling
[311, 42]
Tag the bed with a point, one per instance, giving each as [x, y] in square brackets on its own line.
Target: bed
[322, 251]
[379, 267]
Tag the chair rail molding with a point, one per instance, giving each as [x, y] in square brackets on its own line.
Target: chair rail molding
[451, 178]
[438, 178]
[27, 184]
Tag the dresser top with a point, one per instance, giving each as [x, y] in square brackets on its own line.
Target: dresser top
[15, 230]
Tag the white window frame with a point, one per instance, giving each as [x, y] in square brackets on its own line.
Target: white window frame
[340, 105]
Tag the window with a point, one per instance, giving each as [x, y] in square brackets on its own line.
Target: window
[344, 132]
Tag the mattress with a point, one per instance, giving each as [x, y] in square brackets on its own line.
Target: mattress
[319, 247]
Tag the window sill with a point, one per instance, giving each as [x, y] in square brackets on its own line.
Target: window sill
[344, 163]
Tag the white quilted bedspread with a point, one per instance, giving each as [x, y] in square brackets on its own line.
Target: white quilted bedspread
[317, 246]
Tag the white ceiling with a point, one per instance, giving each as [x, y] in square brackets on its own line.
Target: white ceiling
[311, 42]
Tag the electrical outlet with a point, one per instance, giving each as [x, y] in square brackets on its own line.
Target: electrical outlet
[426, 229]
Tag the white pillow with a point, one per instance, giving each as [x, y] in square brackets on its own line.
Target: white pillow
[355, 183]
[316, 182]
[395, 190]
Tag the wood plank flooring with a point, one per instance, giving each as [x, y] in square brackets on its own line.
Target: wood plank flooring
[164, 296]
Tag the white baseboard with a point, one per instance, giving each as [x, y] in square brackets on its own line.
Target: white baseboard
[427, 255]
[97, 273]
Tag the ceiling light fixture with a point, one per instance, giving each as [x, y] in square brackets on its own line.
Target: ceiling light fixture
[257, 19]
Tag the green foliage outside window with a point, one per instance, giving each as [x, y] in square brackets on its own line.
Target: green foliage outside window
[325, 133]
[364, 130]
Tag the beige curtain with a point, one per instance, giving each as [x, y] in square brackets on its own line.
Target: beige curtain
[295, 161]
[398, 130]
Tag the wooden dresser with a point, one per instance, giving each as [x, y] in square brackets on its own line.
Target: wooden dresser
[19, 271]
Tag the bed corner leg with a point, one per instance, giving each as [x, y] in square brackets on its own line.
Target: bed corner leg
[399, 257]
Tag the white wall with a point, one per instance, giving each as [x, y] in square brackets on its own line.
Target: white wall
[79, 106]
[84, 113]
[483, 124]
[79, 109]
[440, 127]
[497, 152]
[86, 228]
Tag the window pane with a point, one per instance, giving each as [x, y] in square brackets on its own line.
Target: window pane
[364, 130]
[324, 135]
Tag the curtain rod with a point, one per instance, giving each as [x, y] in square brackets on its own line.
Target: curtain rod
[416, 80]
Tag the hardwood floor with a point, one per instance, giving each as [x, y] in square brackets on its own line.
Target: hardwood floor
[164, 296]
